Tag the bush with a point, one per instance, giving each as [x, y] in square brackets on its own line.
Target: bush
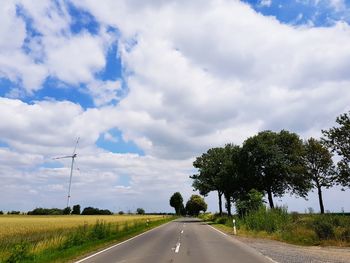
[121, 212]
[13, 212]
[323, 227]
[67, 210]
[46, 211]
[1, 212]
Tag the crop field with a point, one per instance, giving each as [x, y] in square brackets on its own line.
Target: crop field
[36, 235]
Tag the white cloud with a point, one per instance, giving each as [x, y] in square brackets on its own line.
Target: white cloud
[266, 3]
[209, 73]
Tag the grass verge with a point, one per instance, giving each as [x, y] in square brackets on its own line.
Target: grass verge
[294, 228]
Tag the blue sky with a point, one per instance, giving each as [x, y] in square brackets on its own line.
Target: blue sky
[146, 97]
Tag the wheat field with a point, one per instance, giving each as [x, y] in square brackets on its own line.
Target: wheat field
[40, 233]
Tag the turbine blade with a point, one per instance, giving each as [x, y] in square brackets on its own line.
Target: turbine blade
[75, 148]
[62, 157]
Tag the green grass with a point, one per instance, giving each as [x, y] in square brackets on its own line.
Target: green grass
[71, 243]
[300, 229]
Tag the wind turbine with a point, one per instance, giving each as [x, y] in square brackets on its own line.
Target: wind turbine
[73, 156]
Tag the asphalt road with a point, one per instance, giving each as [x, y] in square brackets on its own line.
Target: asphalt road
[184, 240]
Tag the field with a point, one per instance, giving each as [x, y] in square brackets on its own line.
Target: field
[32, 238]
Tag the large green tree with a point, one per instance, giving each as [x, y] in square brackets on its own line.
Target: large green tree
[195, 204]
[338, 140]
[176, 201]
[272, 163]
[208, 178]
[319, 167]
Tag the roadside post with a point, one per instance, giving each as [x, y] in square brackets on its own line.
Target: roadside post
[234, 227]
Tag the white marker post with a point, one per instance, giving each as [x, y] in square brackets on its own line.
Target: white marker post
[234, 227]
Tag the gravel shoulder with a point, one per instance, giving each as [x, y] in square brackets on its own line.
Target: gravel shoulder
[287, 253]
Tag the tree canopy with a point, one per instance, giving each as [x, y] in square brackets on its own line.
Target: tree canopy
[319, 167]
[195, 204]
[176, 201]
[338, 140]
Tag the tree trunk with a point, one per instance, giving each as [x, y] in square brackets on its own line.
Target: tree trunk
[320, 199]
[220, 202]
[269, 196]
[228, 205]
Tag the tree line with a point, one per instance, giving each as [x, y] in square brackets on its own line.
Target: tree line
[276, 163]
[193, 206]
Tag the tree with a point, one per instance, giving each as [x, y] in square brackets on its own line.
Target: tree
[319, 167]
[249, 202]
[338, 140]
[272, 162]
[208, 179]
[140, 211]
[195, 204]
[76, 210]
[67, 210]
[176, 201]
[231, 182]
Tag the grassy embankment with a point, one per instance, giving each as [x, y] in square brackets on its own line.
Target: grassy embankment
[26, 238]
[294, 228]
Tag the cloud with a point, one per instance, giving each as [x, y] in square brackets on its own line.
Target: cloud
[211, 72]
[266, 3]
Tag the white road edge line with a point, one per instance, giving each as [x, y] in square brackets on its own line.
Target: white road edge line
[177, 248]
[244, 244]
[106, 249]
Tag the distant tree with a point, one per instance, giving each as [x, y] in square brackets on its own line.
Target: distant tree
[140, 211]
[249, 202]
[121, 212]
[338, 140]
[319, 166]
[195, 204]
[1, 212]
[67, 210]
[95, 211]
[208, 179]
[176, 201]
[76, 210]
[273, 163]
[13, 212]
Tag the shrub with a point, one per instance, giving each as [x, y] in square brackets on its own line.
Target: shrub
[121, 212]
[323, 227]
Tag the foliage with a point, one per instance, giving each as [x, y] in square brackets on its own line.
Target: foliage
[272, 162]
[195, 204]
[46, 211]
[13, 212]
[121, 213]
[338, 139]
[319, 167]
[76, 210]
[269, 220]
[95, 211]
[18, 253]
[250, 202]
[1, 212]
[176, 201]
[67, 210]
[140, 211]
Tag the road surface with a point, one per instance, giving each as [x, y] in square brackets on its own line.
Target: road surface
[184, 240]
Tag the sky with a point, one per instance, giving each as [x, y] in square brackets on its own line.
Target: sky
[149, 85]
